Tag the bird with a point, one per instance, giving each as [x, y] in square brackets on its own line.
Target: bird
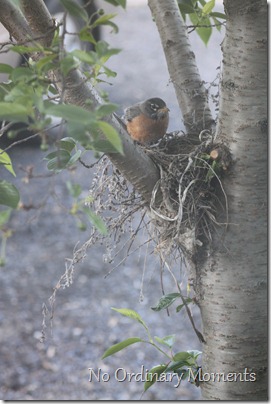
[147, 121]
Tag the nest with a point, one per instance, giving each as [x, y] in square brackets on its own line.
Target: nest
[191, 170]
[182, 213]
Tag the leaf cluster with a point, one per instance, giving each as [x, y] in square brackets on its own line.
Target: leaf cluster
[202, 16]
[178, 363]
[30, 98]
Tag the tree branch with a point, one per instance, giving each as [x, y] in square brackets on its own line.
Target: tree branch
[135, 165]
[190, 91]
[14, 21]
[39, 19]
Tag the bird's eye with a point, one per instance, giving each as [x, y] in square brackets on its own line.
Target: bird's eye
[154, 107]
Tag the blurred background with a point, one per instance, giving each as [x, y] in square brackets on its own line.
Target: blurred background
[45, 235]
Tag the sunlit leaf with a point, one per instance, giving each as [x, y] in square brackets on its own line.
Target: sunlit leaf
[131, 314]
[5, 160]
[208, 7]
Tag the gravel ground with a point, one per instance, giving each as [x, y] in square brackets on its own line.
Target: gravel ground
[84, 325]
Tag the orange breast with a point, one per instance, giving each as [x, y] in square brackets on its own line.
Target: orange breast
[145, 130]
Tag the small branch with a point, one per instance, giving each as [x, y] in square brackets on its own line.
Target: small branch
[198, 333]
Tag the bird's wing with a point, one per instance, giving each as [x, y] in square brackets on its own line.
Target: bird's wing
[132, 112]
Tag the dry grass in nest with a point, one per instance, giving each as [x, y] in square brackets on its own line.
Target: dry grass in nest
[191, 190]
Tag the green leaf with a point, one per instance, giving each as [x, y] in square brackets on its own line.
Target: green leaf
[168, 340]
[105, 20]
[121, 345]
[4, 68]
[96, 220]
[218, 15]
[75, 190]
[86, 35]
[109, 72]
[4, 216]
[131, 314]
[71, 113]
[153, 375]
[86, 57]
[67, 143]
[121, 3]
[75, 9]
[22, 74]
[194, 353]
[102, 49]
[181, 356]
[186, 8]
[58, 160]
[75, 157]
[67, 64]
[45, 63]
[102, 145]
[14, 112]
[203, 32]
[166, 301]
[187, 301]
[21, 49]
[106, 109]
[9, 195]
[112, 135]
[175, 366]
[208, 7]
[5, 160]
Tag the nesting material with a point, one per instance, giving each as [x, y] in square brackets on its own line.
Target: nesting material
[191, 169]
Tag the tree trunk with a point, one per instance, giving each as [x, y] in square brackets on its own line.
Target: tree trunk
[233, 282]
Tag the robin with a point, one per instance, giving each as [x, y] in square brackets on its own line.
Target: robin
[147, 121]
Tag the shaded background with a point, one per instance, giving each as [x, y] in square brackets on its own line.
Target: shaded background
[84, 325]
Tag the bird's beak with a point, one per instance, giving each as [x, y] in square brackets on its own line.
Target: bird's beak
[162, 112]
[165, 109]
